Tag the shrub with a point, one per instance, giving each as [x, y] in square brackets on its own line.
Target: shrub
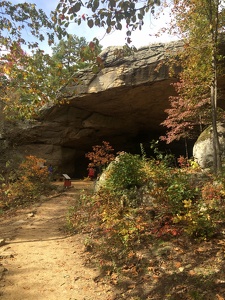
[171, 186]
[212, 192]
[177, 200]
[197, 220]
[181, 186]
[120, 227]
[126, 172]
[101, 156]
[82, 215]
[32, 179]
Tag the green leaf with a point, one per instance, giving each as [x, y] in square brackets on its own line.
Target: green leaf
[64, 10]
[90, 23]
[95, 5]
[97, 22]
[108, 30]
[108, 21]
[77, 7]
[134, 19]
[119, 26]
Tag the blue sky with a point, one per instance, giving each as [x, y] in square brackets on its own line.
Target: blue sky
[139, 38]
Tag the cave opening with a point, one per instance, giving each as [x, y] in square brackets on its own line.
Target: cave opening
[133, 146]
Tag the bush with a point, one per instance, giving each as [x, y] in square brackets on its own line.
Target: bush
[197, 220]
[126, 172]
[181, 186]
[120, 222]
[32, 179]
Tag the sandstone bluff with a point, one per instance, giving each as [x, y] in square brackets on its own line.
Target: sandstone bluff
[123, 103]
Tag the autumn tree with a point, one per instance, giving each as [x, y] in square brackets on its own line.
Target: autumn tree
[21, 75]
[100, 156]
[198, 23]
[29, 82]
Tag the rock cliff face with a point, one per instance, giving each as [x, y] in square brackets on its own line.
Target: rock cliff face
[124, 104]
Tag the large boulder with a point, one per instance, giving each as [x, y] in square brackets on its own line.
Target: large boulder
[203, 147]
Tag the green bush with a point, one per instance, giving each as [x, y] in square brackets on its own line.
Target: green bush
[197, 219]
[181, 186]
[142, 201]
[126, 172]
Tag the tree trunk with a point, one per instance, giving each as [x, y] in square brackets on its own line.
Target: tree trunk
[217, 164]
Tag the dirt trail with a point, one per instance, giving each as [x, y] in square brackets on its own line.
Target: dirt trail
[42, 262]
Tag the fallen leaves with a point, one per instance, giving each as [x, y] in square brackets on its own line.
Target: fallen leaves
[219, 297]
[191, 272]
[177, 264]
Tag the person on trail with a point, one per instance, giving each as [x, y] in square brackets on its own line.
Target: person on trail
[50, 171]
[91, 173]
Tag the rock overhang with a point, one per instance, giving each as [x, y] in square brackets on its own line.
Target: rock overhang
[124, 103]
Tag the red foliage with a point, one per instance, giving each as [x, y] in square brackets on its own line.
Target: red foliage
[183, 162]
[185, 115]
[101, 155]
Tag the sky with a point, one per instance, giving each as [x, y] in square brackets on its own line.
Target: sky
[140, 38]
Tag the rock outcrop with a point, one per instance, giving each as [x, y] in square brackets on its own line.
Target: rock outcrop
[124, 104]
[203, 147]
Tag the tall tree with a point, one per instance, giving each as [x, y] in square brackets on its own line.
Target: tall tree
[73, 53]
[199, 24]
[30, 81]
[68, 51]
[22, 78]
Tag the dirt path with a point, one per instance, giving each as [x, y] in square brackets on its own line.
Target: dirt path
[42, 262]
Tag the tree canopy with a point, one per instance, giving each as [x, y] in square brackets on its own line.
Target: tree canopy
[31, 79]
[200, 24]
[68, 52]
[74, 52]
[109, 14]
[15, 19]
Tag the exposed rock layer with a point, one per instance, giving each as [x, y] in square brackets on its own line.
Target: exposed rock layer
[124, 104]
